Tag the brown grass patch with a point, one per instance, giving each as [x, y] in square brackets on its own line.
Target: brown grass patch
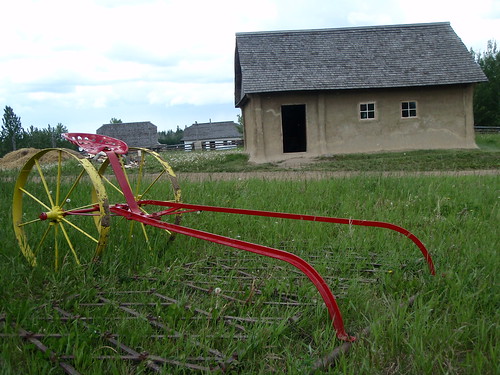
[16, 159]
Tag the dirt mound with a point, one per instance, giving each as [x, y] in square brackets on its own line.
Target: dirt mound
[16, 159]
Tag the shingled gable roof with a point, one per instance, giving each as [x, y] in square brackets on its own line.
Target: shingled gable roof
[352, 58]
[211, 131]
[130, 126]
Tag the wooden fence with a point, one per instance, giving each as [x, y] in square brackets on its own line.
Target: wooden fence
[206, 146]
[487, 129]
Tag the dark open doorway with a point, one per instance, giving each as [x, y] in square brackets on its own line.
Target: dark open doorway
[293, 122]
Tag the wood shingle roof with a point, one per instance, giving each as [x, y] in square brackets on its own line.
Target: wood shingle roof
[352, 58]
[136, 134]
[211, 131]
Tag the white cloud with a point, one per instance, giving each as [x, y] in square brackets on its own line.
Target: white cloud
[475, 22]
[62, 58]
[172, 93]
[364, 18]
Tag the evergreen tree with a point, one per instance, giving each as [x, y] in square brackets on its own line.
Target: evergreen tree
[12, 131]
[170, 137]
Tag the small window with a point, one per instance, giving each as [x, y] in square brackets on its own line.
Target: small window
[367, 111]
[408, 109]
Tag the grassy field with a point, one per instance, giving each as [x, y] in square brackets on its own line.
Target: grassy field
[197, 303]
[487, 156]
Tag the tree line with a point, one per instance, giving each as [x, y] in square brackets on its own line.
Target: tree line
[170, 137]
[13, 136]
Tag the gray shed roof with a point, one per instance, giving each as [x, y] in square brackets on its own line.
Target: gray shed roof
[211, 131]
[352, 58]
[135, 134]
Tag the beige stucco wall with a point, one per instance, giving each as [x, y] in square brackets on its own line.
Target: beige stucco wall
[444, 121]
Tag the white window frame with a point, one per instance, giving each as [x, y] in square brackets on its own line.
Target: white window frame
[409, 110]
[367, 111]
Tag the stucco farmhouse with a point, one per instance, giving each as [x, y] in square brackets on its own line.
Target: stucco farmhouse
[347, 90]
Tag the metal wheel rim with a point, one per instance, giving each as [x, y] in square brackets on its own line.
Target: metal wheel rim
[49, 201]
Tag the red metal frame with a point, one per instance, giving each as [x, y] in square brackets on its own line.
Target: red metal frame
[290, 258]
[131, 211]
[282, 215]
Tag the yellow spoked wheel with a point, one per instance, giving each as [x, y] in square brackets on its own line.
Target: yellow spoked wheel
[60, 210]
[150, 177]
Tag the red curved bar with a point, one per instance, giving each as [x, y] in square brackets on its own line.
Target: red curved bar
[282, 215]
[292, 259]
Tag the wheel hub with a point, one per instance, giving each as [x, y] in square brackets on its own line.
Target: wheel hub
[54, 215]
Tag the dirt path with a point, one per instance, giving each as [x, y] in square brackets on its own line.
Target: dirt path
[318, 175]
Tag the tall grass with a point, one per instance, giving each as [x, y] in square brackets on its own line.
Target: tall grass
[452, 326]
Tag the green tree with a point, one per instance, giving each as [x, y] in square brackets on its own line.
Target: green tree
[12, 131]
[115, 120]
[487, 94]
[48, 137]
[170, 137]
[54, 135]
[35, 137]
[240, 125]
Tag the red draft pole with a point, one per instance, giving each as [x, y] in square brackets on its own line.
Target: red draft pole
[282, 215]
[290, 258]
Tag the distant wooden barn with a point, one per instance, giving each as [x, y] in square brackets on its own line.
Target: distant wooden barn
[212, 136]
[135, 134]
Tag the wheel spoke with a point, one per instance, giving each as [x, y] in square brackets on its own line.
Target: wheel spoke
[56, 248]
[35, 198]
[28, 222]
[63, 202]
[124, 170]
[112, 185]
[58, 182]
[80, 230]
[42, 240]
[70, 244]
[131, 229]
[82, 207]
[145, 233]
[152, 184]
[139, 178]
[44, 182]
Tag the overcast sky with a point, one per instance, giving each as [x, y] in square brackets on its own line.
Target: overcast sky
[82, 62]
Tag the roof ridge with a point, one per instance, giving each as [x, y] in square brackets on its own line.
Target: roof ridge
[346, 28]
[213, 122]
[127, 123]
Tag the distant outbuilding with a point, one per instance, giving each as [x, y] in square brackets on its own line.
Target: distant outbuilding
[348, 90]
[134, 134]
[212, 136]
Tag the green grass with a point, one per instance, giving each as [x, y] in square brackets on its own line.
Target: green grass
[487, 156]
[451, 328]
[488, 142]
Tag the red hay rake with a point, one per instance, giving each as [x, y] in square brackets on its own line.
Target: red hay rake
[49, 220]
